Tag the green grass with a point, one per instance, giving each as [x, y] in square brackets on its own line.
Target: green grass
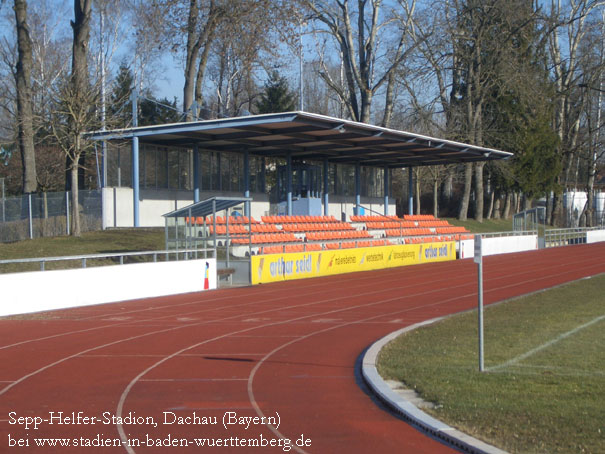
[100, 242]
[487, 226]
[550, 402]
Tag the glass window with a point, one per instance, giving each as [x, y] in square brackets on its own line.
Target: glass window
[173, 169]
[206, 171]
[162, 167]
[149, 178]
[185, 165]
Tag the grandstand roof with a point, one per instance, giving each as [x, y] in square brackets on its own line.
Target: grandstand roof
[311, 137]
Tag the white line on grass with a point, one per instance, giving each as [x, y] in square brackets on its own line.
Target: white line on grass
[543, 346]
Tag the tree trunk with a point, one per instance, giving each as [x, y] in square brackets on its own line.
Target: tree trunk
[507, 203]
[479, 199]
[490, 210]
[75, 205]
[497, 208]
[466, 195]
[24, 98]
[193, 48]
[80, 84]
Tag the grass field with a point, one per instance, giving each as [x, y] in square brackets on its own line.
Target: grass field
[544, 388]
[107, 241]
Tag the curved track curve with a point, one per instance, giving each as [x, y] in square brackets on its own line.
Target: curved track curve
[283, 353]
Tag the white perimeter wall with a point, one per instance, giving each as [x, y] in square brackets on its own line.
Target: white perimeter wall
[499, 245]
[47, 290]
[595, 236]
[118, 211]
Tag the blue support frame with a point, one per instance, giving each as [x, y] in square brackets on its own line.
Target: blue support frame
[289, 184]
[246, 182]
[386, 191]
[357, 188]
[196, 174]
[410, 190]
[326, 188]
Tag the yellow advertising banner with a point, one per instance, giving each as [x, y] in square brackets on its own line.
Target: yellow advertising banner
[280, 267]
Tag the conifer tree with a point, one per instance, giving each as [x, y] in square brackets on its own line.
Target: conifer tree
[276, 96]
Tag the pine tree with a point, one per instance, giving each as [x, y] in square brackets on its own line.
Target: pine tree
[121, 105]
[277, 96]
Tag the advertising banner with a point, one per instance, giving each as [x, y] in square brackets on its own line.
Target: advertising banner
[280, 267]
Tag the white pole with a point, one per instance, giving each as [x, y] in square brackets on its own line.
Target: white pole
[479, 261]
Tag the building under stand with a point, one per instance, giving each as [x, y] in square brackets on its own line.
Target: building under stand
[286, 163]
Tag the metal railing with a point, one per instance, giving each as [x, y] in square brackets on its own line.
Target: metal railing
[565, 237]
[165, 255]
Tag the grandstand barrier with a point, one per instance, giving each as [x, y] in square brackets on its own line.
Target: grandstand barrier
[280, 267]
[37, 291]
[500, 243]
[595, 236]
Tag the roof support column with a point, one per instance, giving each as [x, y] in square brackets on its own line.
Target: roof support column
[386, 190]
[135, 181]
[357, 188]
[410, 190]
[326, 187]
[247, 182]
[196, 174]
[289, 184]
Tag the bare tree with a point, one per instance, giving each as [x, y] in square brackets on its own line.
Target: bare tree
[23, 78]
[569, 24]
[78, 100]
[361, 33]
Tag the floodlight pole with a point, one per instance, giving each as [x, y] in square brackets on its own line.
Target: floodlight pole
[479, 261]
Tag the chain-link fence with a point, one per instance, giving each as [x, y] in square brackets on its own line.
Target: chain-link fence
[47, 214]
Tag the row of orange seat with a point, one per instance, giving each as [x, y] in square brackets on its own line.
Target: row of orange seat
[373, 218]
[451, 229]
[287, 219]
[418, 217]
[223, 220]
[313, 227]
[379, 225]
[322, 236]
[409, 232]
[267, 238]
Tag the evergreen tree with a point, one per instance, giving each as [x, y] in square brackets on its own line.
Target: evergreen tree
[276, 96]
[152, 111]
[120, 108]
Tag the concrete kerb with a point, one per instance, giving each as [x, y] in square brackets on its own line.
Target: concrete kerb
[409, 411]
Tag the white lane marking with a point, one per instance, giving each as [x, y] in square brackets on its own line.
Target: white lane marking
[539, 348]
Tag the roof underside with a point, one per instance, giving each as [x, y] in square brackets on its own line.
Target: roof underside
[207, 207]
[309, 137]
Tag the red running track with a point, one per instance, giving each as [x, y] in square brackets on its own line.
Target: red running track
[285, 353]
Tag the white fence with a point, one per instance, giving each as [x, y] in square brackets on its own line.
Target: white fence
[59, 289]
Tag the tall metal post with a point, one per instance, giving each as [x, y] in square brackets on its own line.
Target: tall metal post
[135, 161]
[410, 190]
[479, 261]
[300, 70]
[67, 220]
[3, 200]
[29, 211]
